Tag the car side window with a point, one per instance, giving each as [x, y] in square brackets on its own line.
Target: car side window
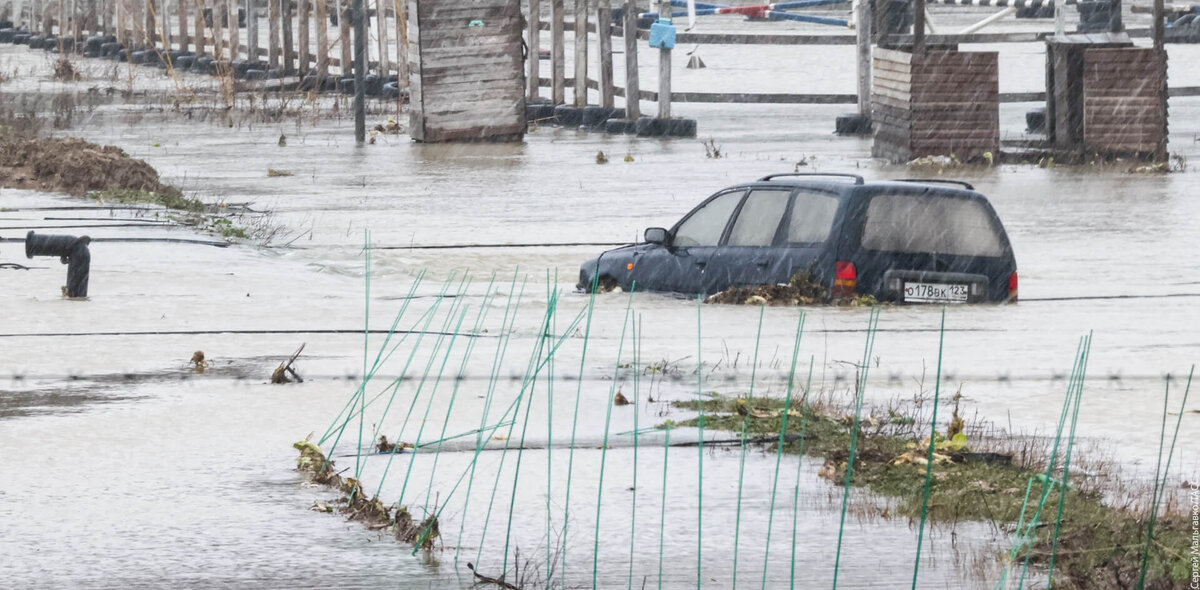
[759, 218]
[812, 218]
[931, 224]
[704, 226]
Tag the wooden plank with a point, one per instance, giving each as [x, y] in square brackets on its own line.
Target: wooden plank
[892, 55]
[581, 52]
[345, 41]
[558, 59]
[235, 42]
[381, 28]
[632, 106]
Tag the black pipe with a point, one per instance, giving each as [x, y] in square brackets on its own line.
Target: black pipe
[71, 251]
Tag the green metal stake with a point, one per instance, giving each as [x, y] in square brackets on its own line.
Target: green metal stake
[737, 527]
[787, 406]
[872, 325]
[937, 389]
[587, 331]
[604, 445]
[799, 467]
[662, 519]
[1160, 488]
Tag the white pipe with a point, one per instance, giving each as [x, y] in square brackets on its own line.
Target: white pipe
[989, 20]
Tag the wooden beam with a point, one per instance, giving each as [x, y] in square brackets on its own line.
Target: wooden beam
[322, 38]
[558, 57]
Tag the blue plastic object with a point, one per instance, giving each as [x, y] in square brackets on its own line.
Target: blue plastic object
[662, 35]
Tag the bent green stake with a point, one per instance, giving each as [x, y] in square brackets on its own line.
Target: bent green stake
[636, 337]
[737, 526]
[787, 406]
[937, 387]
[662, 519]
[861, 386]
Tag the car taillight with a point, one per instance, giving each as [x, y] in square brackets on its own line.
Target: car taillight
[1012, 286]
[845, 279]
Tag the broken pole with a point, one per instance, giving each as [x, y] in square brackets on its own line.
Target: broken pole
[664, 69]
[632, 84]
[360, 66]
[581, 52]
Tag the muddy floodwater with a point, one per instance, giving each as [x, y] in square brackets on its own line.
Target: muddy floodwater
[123, 467]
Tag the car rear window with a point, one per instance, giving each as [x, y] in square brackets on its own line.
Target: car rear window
[812, 217]
[706, 224]
[759, 218]
[931, 223]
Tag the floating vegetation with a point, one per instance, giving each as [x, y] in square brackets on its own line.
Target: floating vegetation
[170, 198]
[275, 173]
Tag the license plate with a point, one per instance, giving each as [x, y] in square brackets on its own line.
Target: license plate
[935, 293]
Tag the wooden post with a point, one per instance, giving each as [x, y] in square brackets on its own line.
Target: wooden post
[302, 24]
[401, 44]
[664, 71]
[235, 45]
[18, 10]
[220, 12]
[360, 70]
[181, 9]
[863, 22]
[151, 27]
[198, 37]
[604, 30]
[289, 45]
[344, 26]
[273, 34]
[558, 53]
[252, 31]
[633, 89]
[535, 48]
[322, 39]
[918, 27]
[1157, 28]
[164, 23]
[382, 28]
[581, 52]
[47, 19]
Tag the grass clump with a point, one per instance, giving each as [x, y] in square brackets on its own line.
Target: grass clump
[1100, 545]
[168, 197]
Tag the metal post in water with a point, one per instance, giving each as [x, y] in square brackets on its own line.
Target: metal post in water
[664, 69]
[360, 66]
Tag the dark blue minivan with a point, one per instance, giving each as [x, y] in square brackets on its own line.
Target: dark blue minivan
[905, 241]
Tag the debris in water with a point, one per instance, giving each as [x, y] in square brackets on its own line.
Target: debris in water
[601, 158]
[280, 375]
[386, 446]
[628, 157]
[620, 400]
[282, 140]
[273, 173]
[800, 290]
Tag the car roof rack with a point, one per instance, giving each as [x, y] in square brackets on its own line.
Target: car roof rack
[968, 185]
[857, 179]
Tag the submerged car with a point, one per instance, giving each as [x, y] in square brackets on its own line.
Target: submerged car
[905, 241]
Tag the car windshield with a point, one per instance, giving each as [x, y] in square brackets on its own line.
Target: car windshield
[812, 217]
[931, 224]
[706, 224]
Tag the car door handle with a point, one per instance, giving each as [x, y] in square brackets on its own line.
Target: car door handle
[701, 263]
[762, 262]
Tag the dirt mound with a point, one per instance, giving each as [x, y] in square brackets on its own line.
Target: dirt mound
[73, 166]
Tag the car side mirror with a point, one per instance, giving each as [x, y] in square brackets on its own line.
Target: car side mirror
[657, 235]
